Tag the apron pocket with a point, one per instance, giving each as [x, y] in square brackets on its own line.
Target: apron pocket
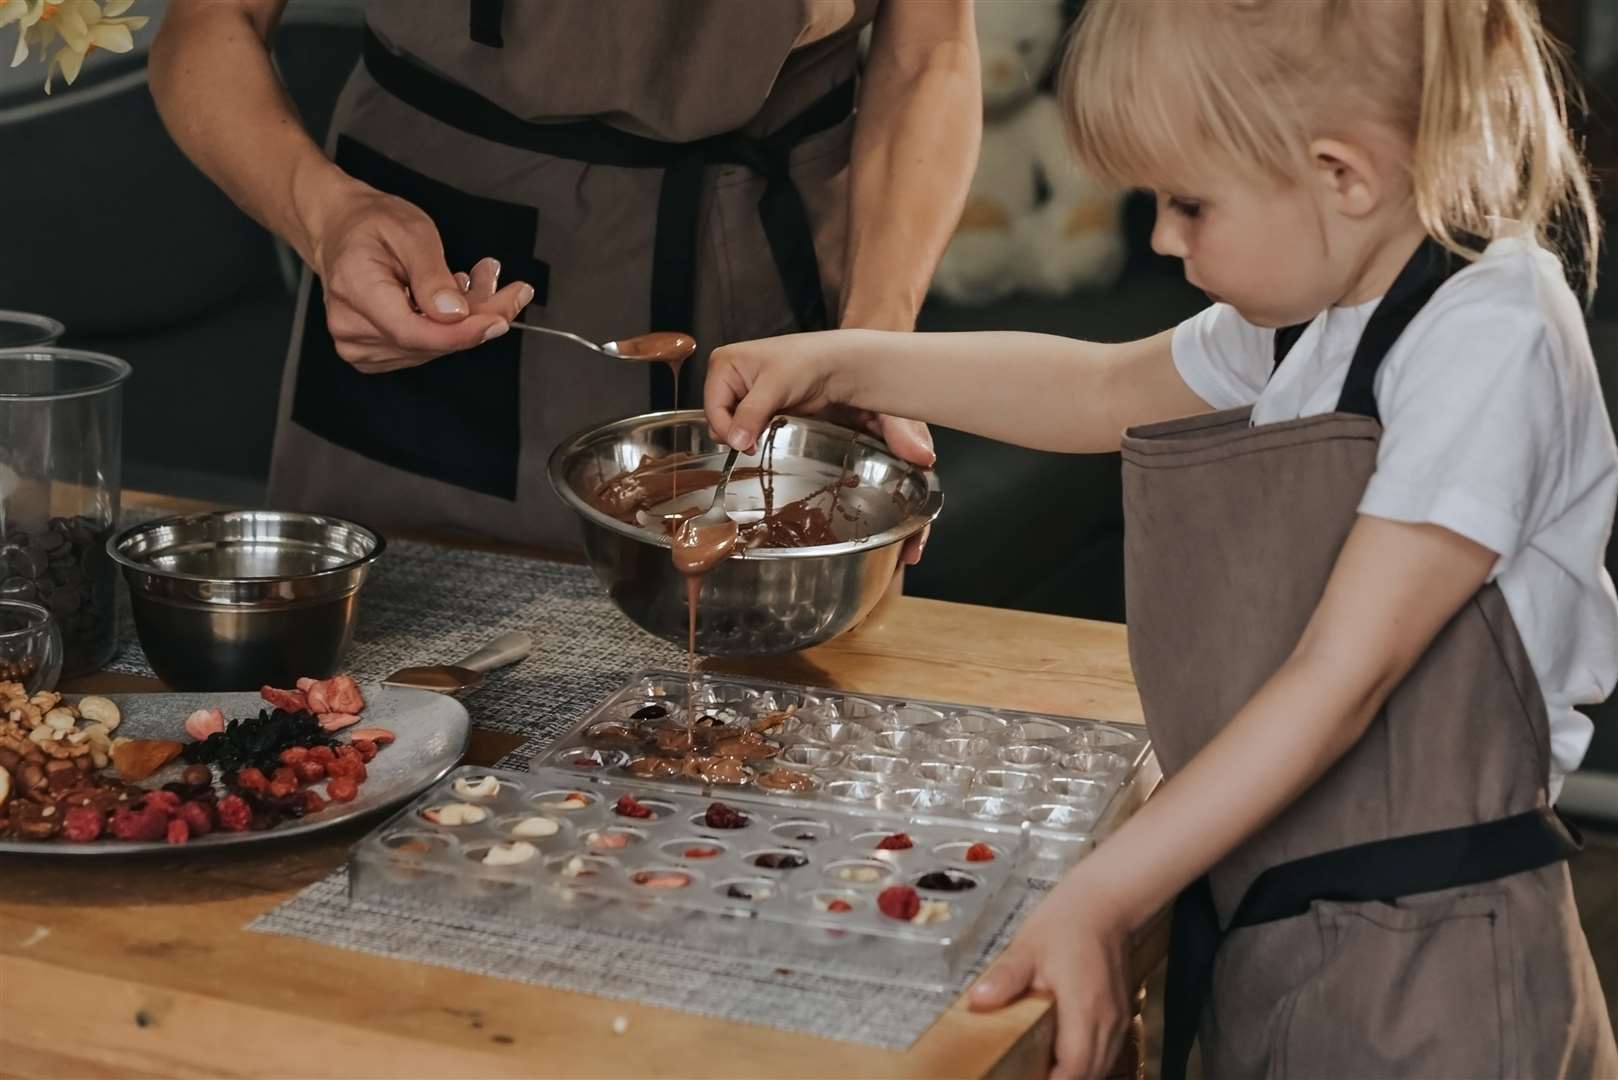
[1426, 988]
[456, 419]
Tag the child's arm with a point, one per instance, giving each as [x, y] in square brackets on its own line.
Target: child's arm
[1037, 390]
[1393, 588]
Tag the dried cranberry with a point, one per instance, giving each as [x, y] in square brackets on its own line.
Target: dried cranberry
[839, 906]
[179, 832]
[322, 754]
[312, 802]
[980, 852]
[197, 818]
[898, 902]
[701, 852]
[283, 775]
[234, 813]
[897, 842]
[252, 779]
[144, 825]
[342, 789]
[309, 771]
[366, 747]
[166, 801]
[281, 788]
[628, 806]
[720, 816]
[294, 754]
[83, 824]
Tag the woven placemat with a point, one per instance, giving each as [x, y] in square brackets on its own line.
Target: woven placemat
[630, 966]
[424, 604]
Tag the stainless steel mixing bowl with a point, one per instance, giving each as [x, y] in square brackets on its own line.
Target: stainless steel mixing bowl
[768, 600]
[238, 599]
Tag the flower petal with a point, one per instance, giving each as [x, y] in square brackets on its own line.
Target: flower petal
[71, 60]
[114, 8]
[112, 37]
[22, 50]
[12, 11]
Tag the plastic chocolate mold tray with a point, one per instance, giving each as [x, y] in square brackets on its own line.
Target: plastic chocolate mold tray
[816, 747]
[774, 882]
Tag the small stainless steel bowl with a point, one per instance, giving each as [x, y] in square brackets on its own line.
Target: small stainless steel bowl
[238, 599]
[760, 602]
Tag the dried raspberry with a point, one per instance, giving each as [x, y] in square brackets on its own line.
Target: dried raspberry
[252, 780]
[312, 802]
[310, 771]
[83, 824]
[294, 754]
[627, 806]
[144, 825]
[166, 802]
[720, 816]
[342, 789]
[839, 906]
[284, 775]
[322, 754]
[898, 902]
[234, 813]
[897, 842]
[197, 817]
[179, 831]
[366, 747]
[280, 789]
[980, 852]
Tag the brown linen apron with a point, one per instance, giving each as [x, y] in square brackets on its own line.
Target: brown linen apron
[1410, 915]
[644, 165]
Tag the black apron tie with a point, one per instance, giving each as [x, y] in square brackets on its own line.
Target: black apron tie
[1380, 871]
[781, 209]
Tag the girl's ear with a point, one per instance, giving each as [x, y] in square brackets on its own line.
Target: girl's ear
[1347, 178]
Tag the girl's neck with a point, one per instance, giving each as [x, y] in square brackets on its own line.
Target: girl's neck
[1383, 261]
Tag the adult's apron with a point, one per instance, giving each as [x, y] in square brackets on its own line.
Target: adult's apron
[1411, 914]
[644, 165]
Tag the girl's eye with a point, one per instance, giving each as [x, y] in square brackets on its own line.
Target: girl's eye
[1186, 207]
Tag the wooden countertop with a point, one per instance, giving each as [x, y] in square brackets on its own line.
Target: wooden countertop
[142, 966]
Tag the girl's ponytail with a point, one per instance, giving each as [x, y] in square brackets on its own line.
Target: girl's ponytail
[1492, 137]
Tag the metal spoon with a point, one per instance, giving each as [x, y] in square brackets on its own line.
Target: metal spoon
[668, 346]
[706, 540]
[716, 509]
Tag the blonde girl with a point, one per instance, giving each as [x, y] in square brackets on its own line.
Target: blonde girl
[1367, 495]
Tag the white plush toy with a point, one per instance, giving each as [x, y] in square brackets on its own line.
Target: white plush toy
[1009, 240]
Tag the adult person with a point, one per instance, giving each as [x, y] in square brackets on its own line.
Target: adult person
[723, 167]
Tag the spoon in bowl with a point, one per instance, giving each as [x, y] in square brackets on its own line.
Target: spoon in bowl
[704, 541]
[660, 346]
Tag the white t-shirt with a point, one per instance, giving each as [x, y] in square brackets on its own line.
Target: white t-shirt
[1494, 428]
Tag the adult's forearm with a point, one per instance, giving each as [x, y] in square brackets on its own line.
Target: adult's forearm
[222, 103]
[915, 147]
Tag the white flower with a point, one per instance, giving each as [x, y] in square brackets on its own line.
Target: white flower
[81, 25]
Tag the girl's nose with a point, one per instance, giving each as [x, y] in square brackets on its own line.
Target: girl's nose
[1168, 238]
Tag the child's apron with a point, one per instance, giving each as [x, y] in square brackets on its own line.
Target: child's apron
[1410, 915]
[644, 165]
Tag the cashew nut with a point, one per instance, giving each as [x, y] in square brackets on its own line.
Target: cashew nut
[42, 735]
[100, 710]
[5, 786]
[61, 720]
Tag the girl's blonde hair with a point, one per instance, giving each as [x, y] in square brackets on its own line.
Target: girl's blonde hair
[1155, 91]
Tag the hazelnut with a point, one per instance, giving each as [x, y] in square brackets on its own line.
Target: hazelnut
[196, 775]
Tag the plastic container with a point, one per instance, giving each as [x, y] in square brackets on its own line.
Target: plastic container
[21, 329]
[779, 885]
[61, 431]
[809, 746]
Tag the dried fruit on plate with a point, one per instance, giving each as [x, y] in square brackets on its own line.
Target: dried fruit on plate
[980, 852]
[139, 758]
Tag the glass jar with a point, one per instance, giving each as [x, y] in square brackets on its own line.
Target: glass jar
[30, 646]
[21, 329]
[61, 443]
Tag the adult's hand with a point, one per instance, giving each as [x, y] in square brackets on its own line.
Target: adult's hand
[391, 300]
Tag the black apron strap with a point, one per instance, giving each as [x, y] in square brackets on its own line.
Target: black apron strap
[781, 209]
[1285, 338]
[486, 16]
[1383, 870]
[1427, 268]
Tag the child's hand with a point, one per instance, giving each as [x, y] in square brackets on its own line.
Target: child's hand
[1073, 949]
[751, 382]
